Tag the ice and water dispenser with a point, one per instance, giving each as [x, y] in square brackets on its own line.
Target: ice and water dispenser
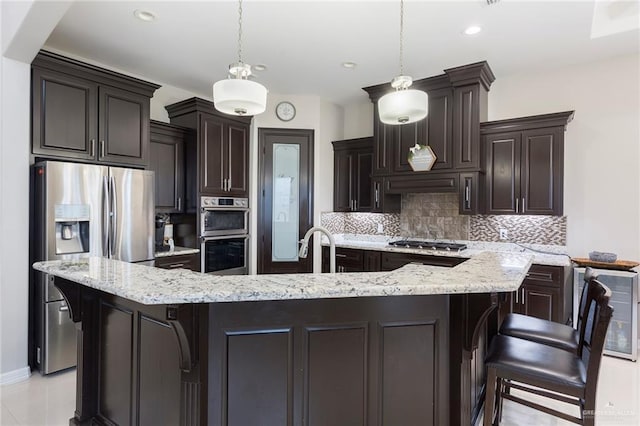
[72, 226]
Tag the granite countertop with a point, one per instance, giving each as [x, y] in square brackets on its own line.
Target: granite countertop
[177, 251]
[555, 256]
[484, 272]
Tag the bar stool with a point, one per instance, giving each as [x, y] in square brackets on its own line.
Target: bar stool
[549, 371]
[549, 332]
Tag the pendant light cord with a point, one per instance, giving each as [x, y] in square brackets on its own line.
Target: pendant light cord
[240, 31]
[401, 34]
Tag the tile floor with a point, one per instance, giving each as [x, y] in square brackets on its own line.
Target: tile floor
[51, 400]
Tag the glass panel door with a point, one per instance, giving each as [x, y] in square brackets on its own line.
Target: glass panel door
[285, 225]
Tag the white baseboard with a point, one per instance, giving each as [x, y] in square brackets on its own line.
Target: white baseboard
[15, 376]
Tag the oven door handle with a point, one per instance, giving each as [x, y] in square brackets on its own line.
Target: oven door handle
[204, 239]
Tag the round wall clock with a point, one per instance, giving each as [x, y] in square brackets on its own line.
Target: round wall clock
[285, 111]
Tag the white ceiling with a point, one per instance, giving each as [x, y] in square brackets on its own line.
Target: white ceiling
[303, 43]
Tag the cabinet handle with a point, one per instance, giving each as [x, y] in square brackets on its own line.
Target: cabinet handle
[176, 265]
[517, 204]
[523, 205]
[355, 205]
[340, 255]
[524, 297]
[229, 184]
[179, 203]
[517, 294]
[376, 192]
[63, 308]
[224, 184]
[93, 147]
[102, 149]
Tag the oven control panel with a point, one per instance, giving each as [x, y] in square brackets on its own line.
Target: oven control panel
[221, 202]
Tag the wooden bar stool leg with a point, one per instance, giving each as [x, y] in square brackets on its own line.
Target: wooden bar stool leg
[490, 398]
[499, 399]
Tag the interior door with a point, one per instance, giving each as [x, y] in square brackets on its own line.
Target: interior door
[286, 209]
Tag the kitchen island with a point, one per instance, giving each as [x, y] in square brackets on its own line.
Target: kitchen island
[403, 347]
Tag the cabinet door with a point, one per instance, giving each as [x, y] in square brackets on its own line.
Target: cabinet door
[383, 137]
[471, 196]
[211, 151]
[237, 160]
[167, 161]
[123, 127]
[371, 261]
[541, 172]
[406, 136]
[540, 301]
[342, 184]
[363, 199]
[64, 115]
[503, 173]
[466, 127]
[440, 127]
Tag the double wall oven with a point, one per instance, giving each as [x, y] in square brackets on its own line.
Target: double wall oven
[224, 235]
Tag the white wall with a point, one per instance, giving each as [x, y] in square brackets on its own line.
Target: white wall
[358, 120]
[24, 28]
[14, 225]
[602, 146]
[326, 121]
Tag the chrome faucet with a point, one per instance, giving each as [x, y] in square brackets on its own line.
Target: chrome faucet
[304, 246]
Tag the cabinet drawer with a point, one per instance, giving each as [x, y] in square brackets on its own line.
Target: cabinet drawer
[187, 261]
[391, 261]
[347, 260]
[349, 257]
[545, 275]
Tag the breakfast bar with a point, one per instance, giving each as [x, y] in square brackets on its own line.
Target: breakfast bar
[403, 347]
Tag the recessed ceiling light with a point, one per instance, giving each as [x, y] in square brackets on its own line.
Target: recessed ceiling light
[349, 65]
[259, 67]
[144, 15]
[472, 30]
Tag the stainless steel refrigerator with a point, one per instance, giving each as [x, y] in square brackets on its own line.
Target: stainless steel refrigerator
[78, 211]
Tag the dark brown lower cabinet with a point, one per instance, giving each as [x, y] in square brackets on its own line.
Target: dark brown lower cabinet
[356, 260]
[391, 360]
[545, 293]
[391, 261]
[185, 261]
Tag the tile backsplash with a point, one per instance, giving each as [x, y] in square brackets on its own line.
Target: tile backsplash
[520, 228]
[362, 223]
[429, 216]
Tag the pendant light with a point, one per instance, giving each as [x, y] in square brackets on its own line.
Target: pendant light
[237, 95]
[404, 105]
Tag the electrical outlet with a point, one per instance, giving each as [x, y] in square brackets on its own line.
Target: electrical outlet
[380, 228]
[503, 234]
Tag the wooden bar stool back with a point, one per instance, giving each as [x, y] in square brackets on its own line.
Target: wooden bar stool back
[548, 371]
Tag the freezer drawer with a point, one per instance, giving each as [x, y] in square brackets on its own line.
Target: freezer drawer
[59, 338]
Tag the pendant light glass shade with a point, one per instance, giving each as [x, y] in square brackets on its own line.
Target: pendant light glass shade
[237, 96]
[403, 106]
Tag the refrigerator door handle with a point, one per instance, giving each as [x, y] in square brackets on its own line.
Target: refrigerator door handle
[105, 216]
[114, 216]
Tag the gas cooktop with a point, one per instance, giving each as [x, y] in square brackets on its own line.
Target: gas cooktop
[428, 245]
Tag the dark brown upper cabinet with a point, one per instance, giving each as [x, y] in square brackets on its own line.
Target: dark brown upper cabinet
[352, 186]
[217, 151]
[86, 113]
[166, 159]
[524, 164]
[457, 104]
